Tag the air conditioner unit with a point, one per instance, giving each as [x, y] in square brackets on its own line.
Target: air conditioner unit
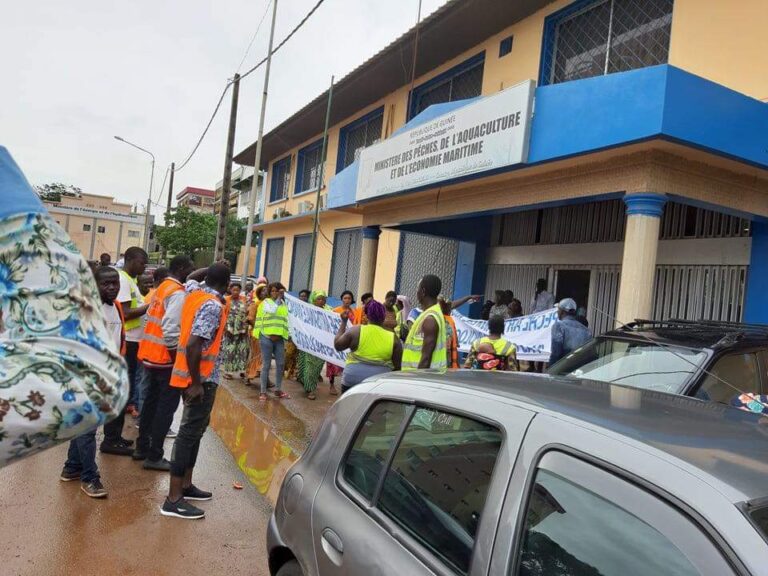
[305, 206]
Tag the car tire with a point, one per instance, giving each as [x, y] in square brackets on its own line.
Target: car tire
[290, 568]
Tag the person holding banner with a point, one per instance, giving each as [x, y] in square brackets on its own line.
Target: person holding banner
[310, 368]
[272, 330]
[493, 352]
[374, 349]
[425, 345]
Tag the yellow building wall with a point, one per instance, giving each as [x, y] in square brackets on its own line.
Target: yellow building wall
[329, 223]
[386, 262]
[726, 42]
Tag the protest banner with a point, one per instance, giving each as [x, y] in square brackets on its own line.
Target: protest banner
[314, 329]
[531, 334]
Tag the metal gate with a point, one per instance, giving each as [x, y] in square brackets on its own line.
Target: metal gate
[700, 292]
[345, 265]
[273, 268]
[422, 254]
[302, 251]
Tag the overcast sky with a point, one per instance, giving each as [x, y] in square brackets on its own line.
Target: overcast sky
[77, 73]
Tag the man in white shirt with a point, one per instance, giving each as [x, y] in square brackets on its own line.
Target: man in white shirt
[133, 309]
[543, 300]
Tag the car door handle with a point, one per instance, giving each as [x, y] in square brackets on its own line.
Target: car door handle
[332, 546]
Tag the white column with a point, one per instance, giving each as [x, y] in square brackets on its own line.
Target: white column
[369, 252]
[638, 266]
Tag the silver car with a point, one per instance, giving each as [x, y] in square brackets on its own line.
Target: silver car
[514, 474]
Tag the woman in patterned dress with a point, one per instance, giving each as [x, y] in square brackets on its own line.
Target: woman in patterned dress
[310, 368]
[235, 345]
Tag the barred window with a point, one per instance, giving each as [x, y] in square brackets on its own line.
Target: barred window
[459, 83]
[308, 167]
[356, 136]
[281, 179]
[604, 37]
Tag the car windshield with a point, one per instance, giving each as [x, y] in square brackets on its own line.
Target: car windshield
[632, 363]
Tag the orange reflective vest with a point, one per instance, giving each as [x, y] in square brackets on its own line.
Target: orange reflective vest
[180, 378]
[152, 349]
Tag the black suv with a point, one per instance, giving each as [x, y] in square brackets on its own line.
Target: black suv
[708, 360]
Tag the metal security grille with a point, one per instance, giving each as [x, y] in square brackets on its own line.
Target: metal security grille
[345, 265]
[466, 84]
[421, 254]
[605, 221]
[302, 250]
[309, 168]
[273, 267]
[700, 292]
[281, 179]
[608, 36]
[360, 137]
[683, 221]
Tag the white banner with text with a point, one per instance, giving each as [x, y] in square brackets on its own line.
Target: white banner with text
[314, 329]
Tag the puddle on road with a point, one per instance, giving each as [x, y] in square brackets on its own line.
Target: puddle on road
[262, 455]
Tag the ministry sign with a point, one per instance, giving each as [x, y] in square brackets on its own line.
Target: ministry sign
[488, 134]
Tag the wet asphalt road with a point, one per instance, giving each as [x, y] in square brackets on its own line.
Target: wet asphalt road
[49, 527]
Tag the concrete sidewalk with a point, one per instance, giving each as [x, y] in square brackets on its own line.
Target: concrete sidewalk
[50, 527]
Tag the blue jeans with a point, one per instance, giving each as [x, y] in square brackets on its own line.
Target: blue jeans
[82, 457]
[268, 349]
[142, 376]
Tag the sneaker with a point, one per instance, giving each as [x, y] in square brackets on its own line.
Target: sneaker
[69, 475]
[171, 433]
[194, 493]
[115, 448]
[139, 454]
[160, 465]
[94, 489]
[181, 509]
[125, 442]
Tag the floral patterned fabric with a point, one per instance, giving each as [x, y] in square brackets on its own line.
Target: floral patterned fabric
[60, 371]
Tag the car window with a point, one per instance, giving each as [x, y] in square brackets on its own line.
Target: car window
[740, 373]
[438, 482]
[633, 363]
[571, 531]
[375, 438]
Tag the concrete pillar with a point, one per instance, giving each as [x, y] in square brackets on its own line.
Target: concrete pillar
[368, 253]
[638, 266]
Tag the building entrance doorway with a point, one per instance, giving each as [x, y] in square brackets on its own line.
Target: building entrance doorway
[573, 284]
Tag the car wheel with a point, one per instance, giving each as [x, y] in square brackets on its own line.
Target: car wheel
[290, 568]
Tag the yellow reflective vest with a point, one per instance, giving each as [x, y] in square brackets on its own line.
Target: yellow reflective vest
[271, 319]
[415, 342]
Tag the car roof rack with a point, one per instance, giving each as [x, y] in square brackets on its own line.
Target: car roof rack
[734, 329]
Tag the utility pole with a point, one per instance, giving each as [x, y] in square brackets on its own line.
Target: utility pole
[221, 230]
[320, 171]
[170, 187]
[257, 159]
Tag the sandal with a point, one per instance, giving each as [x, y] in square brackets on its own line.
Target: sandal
[262, 397]
[281, 394]
[312, 396]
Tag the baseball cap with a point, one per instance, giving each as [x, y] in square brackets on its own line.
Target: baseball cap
[568, 304]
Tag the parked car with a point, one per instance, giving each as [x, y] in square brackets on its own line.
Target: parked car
[494, 473]
[708, 360]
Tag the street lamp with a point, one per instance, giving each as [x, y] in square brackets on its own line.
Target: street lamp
[149, 199]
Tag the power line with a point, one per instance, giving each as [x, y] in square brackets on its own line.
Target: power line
[296, 29]
[253, 69]
[253, 38]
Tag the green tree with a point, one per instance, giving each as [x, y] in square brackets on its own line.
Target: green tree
[189, 232]
[53, 192]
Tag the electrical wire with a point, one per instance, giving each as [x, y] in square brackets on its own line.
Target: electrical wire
[253, 38]
[230, 82]
[296, 29]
